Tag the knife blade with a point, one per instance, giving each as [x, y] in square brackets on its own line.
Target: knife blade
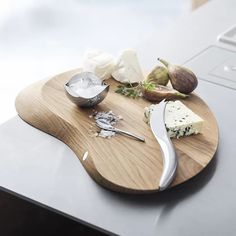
[157, 124]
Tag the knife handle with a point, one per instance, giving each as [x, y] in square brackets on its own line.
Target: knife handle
[169, 162]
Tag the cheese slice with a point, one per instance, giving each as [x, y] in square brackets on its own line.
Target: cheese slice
[179, 119]
[127, 68]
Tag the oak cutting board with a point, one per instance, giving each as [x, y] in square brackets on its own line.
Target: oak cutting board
[120, 163]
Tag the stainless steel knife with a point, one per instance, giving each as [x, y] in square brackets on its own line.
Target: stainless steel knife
[157, 124]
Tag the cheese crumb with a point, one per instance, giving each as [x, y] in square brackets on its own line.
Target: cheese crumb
[107, 118]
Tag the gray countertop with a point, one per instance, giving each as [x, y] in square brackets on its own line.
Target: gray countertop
[43, 169]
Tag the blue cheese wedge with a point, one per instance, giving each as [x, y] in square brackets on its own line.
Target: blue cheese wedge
[180, 120]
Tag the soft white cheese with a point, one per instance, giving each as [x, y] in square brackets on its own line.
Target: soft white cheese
[99, 62]
[179, 119]
[127, 68]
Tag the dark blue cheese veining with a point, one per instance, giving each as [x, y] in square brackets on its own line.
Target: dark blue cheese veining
[179, 119]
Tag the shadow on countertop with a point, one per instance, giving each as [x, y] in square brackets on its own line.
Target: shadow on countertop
[165, 198]
[20, 217]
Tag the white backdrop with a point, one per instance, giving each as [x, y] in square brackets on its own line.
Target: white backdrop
[41, 38]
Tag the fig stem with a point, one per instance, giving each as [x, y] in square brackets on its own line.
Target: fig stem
[163, 62]
[181, 95]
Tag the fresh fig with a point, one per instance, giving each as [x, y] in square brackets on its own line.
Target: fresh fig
[158, 76]
[160, 92]
[181, 78]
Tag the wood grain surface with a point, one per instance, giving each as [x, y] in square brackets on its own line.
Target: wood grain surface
[120, 163]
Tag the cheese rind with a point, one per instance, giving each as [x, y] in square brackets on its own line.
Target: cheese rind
[179, 119]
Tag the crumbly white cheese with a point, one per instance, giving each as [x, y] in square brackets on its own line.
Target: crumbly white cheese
[127, 68]
[179, 119]
[106, 118]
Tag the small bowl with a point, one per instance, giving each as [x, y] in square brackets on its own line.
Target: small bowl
[86, 89]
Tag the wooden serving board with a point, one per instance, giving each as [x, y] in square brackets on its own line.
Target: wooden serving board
[120, 163]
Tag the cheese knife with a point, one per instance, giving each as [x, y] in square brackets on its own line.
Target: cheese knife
[157, 124]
